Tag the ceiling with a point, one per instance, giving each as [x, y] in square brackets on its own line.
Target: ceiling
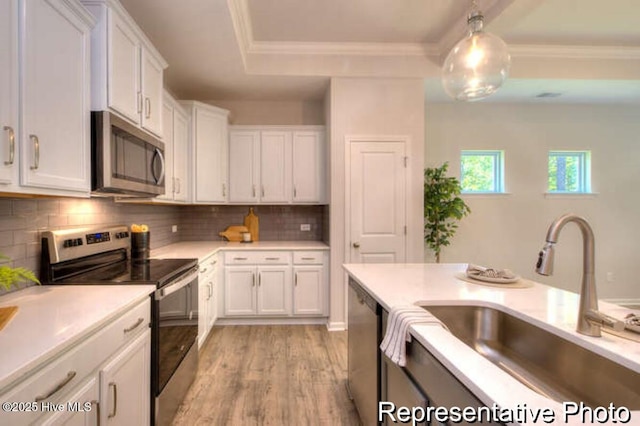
[578, 50]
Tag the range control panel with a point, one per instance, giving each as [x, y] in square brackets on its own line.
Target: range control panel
[69, 244]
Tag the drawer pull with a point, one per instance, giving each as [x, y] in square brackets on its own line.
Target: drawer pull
[272, 258]
[239, 258]
[308, 258]
[115, 400]
[63, 383]
[203, 270]
[97, 404]
[134, 326]
[214, 262]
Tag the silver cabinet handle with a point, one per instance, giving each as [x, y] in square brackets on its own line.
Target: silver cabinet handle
[356, 245]
[307, 258]
[224, 189]
[115, 399]
[97, 404]
[134, 326]
[147, 107]
[203, 270]
[295, 280]
[239, 258]
[139, 102]
[179, 185]
[253, 190]
[12, 145]
[210, 290]
[36, 152]
[262, 190]
[259, 279]
[271, 258]
[63, 383]
[254, 280]
[295, 192]
[213, 262]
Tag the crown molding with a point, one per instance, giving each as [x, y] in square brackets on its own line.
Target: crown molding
[351, 49]
[574, 52]
[241, 20]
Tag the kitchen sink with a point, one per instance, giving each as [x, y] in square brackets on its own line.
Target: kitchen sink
[546, 363]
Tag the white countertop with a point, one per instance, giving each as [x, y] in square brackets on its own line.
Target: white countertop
[52, 318]
[203, 249]
[550, 308]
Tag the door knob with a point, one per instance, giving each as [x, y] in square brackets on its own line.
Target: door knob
[356, 245]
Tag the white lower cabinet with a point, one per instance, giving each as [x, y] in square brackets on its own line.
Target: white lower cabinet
[125, 385]
[263, 284]
[207, 297]
[103, 379]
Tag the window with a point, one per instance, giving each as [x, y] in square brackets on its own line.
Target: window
[569, 171]
[481, 171]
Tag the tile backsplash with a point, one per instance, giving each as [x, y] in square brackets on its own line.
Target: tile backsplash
[23, 220]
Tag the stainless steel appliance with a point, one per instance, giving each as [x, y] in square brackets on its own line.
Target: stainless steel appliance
[101, 256]
[125, 160]
[364, 356]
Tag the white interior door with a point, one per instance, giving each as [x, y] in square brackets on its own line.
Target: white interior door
[377, 202]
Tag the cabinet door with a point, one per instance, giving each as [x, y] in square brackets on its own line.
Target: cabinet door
[8, 89]
[240, 291]
[308, 167]
[81, 408]
[124, 93]
[274, 290]
[125, 385]
[168, 140]
[308, 290]
[203, 306]
[275, 167]
[55, 97]
[210, 156]
[151, 83]
[181, 156]
[244, 166]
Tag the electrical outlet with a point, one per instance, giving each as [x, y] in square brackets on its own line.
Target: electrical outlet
[174, 228]
[305, 227]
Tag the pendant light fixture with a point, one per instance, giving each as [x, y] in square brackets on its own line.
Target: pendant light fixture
[478, 64]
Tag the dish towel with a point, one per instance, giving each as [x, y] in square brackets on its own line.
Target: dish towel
[394, 344]
[475, 271]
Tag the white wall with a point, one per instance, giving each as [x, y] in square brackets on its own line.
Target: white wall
[369, 106]
[274, 112]
[507, 231]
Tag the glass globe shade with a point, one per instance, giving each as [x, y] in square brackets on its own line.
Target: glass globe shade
[476, 67]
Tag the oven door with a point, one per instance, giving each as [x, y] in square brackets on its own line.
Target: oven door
[175, 327]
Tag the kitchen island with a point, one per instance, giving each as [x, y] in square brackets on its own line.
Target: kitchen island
[552, 309]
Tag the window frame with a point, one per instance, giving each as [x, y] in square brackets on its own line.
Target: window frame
[584, 173]
[498, 170]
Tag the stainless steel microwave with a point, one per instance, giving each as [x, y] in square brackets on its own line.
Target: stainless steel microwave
[125, 160]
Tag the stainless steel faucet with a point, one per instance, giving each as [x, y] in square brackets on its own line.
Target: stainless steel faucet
[590, 320]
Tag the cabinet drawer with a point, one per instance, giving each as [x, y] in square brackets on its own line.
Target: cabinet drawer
[308, 257]
[258, 258]
[208, 265]
[55, 379]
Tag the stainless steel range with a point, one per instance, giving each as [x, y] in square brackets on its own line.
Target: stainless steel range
[102, 256]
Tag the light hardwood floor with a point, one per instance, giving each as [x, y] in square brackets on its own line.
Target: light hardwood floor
[270, 375]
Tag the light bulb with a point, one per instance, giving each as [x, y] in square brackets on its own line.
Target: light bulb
[477, 65]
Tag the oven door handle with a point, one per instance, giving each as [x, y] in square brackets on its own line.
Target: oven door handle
[188, 278]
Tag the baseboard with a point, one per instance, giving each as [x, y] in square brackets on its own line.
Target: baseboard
[271, 321]
[336, 326]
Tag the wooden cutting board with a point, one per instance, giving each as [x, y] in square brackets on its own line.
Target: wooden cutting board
[251, 221]
[234, 232]
[6, 314]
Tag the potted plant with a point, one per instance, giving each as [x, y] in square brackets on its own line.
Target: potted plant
[11, 276]
[443, 208]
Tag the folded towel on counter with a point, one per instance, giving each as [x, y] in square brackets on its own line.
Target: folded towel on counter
[394, 344]
[480, 271]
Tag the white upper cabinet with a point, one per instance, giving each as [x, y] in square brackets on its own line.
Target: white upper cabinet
[244, 166]
[54, 95]
[309, 167]
[175, 121]
[209, 130]
[277, 165]
[126, 68]
[8, 90]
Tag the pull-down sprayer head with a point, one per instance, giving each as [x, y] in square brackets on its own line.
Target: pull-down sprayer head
[544, 266]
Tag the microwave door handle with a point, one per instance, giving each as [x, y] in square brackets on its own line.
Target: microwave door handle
[163, 292]
[158, 154]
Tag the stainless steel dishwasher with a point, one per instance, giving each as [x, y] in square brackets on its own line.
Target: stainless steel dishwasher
[364, 358]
